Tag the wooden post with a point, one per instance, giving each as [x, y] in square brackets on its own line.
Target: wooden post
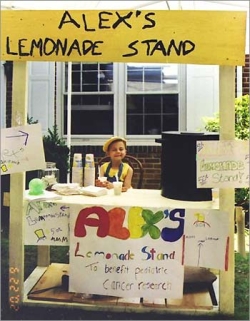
[240, 220]
[226, 199]
[17, 188]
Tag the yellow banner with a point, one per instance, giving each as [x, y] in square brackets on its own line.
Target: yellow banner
[190, 37]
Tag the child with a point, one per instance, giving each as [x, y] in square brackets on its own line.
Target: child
[115, 148]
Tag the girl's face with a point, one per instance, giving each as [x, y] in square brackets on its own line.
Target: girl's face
[117, 150]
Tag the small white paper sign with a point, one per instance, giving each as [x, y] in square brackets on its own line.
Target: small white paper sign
[207, 239]
[22, 149]
[222, 164]
[46, 223]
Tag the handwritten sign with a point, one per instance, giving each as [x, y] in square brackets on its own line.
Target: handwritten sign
[22, 149]
[127, 35]
[135, 251]
[130, 251]
[46, 223]
[223, 163]
[206, 239]
[110, 248]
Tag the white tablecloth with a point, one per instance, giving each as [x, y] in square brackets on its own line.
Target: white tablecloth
[137, 197]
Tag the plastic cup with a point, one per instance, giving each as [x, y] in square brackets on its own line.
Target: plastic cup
[102, 179]
[77, 160]
[117, 188]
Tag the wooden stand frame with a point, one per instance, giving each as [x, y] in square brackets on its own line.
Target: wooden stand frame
[50, 280]
[18, 289]
[16, 249]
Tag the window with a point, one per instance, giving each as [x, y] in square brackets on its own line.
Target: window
[145, 100]
[92, 100]
[152, 98]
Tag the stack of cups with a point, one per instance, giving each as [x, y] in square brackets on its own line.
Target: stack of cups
[77, 169]
[89, 170]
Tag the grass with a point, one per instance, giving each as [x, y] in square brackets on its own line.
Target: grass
[241, 292]
[59, 254]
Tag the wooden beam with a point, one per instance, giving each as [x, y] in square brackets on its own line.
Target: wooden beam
[240, 221]
[6, 199]
[226, 200]
[17, 188]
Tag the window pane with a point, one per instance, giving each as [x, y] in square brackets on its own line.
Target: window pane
[152, 104]
[152, 98]
[89, 77]
[90, 122]
[134, 125]
[152, 77]
[170, 122]
[90, 114]
[152, 124]
[150, 114]
[170, 104]
[153, 74]
[134, 104]
[76, 81]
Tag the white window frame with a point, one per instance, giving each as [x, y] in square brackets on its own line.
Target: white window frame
[119, 84]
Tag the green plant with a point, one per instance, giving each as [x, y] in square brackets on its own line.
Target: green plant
[242, 117]
[242, 285]
[212, 124]
[30, 120]
[57, 151]
[242, 120]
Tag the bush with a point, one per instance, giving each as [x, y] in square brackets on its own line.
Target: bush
[56, 151]
[212, 124]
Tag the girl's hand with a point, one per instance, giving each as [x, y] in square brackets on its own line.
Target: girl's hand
[109, 185]
[98, 183]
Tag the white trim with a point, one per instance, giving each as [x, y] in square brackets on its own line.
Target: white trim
[122, 119]
[41, 93]
[182, 83]
[100, 141]
[69, 96]
[239, 81]
[59, 96]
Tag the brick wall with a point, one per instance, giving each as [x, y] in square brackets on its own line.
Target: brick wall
[245, 77]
